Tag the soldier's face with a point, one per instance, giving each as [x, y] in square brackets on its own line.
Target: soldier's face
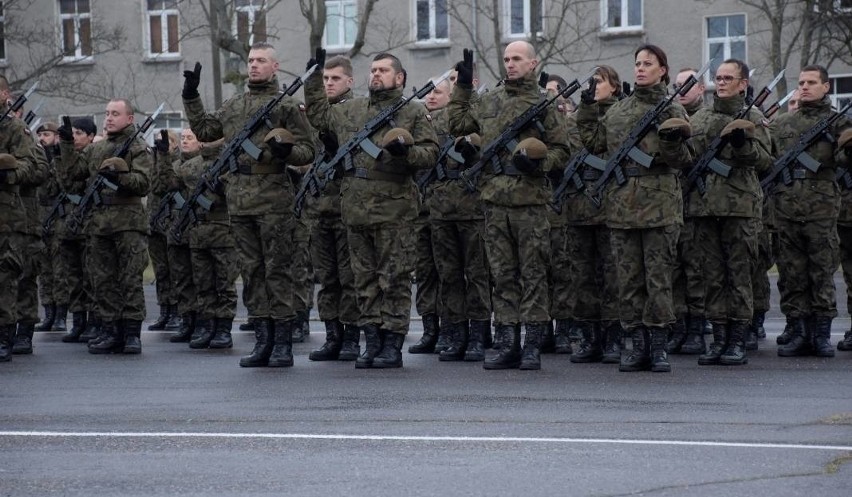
[335, 82]
[552, 88]
[188, 142]
[48, 138]
[603, 88]
[694, 93]
[262, 65]
[647, 69]
[811, 88]
[117, 117]
[383, 76]
[439, 97]
[81, 139]
[517, 61]
[728, 81]
[793, 103]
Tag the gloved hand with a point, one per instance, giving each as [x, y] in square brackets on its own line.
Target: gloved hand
[110, 175]
[280, 150]
[845, 143]
[318, 59]
[280, 142]
[738, 138]
[4, 175]
[397, 142]
[191, 80]
[329, 141]
[467, 147]
[162, 145]
[525, 164]
[465, 70]
[587, 96]
[65, 132]
[737, 132]
[625, 89]
[674, 130]
[397, 148]
[529, 154]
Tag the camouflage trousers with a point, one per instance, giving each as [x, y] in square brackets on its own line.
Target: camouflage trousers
[12, 252]
[73, 282]
[562, 300]
[158, 250]
[302, 270]
[49, 277]
[517, 241]
[462, 269]
[808, 256]
[427, 298]
[688, 280]
[265, 248]
[594, 277]
[728, 248]
[116, 263]
[333, 269]
[760, 289]
[645, 260]
[28, 284]
[845, 235]
[382, 261]
[214, 271]
[183, 289]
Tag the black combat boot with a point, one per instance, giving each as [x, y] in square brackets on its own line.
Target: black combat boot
[49, 317]
[694, 343]
[302, 327]
[750, 339]
[132, 336]
[445, 336]
[175, 321]
[476, 341]
[350, 350]
[531, 354]
[822, 336]
[590, 347]
[93, 328]
[678, 336]
[548, 341]
[391, 354]
[487, 339]
[204, 331]
[427, 342]
[721, 331]
[845, 345]
[330, 350]
[259, 356]
[458, 342]
[562, 342]
[735, 352]
[639, 359]
[507, 348]
[613, 342]
[757, 320]
[78, 326]
[187, 328]
[247, 326]
[23, 342]
[282, 351]
[372, 347]
[112, 339]
[162, 319]
[60, 318]
[788, 333]
[659, 358]
[222, 338]
[6, 332]
[801, 344]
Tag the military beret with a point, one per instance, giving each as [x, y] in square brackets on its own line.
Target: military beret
[48, 126]
[845, 138]
[280, 135]
[533, 148]
[115, 164]
[8, 162]
[473, 138]
[397, 134]
[743, 124]
[676, 122]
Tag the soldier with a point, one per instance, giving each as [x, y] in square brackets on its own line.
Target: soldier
[646, 213]
[517, 233]
[378, 201]
[693, 100]
[793, 103]
[117, 229]
[806, 213]
[329, 247]
[727, 215]
[260, 199]
[844, 230]
[48, 277]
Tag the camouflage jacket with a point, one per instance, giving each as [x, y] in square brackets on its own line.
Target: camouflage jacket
[15, 139]
[109, 218]
[495, 111]
[29, 186]
[653, 198]
[327, 205]
[261, 186]
[817, 196]
[374, 201]
[738, 195]
[845, 218]
[160, 177]
[214, 227]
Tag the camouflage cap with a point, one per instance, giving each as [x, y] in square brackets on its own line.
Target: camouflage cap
[473, 138]
[533, 148]
[743, 124]
[676, 122]
[48, 126]
[845, 138]
[280, 135]
[8, 162]
[115, 164]
[397, 134]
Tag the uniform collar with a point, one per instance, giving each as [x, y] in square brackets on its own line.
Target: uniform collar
[341, 98]
[384, 96]
[815, 108]
[522, 85]
[650, 94]
[730, 106]
[265, 88]
[127, 132]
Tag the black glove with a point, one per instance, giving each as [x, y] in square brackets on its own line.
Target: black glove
[191, 80]
[318, 59]
[4, 175]
[65, 132]
[162, 145]
[110, 175]
[587, 96]
[737, 138]
[525, 164]
[671, 134]
[397, 148]
[467, 150]
[465, 70]
[280, 150]
[625, 89]
[329, 141]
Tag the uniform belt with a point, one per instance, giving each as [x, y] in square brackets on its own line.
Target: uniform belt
[122, 200]
[591, 175]
[363, 173]
[634, 171]
[262, 169]
[9, 188]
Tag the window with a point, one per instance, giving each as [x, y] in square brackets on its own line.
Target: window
[432, 20]
[621, 15]
[250, 21]
[162, 28]
[75, 17]
[341, 23]
[726, 39]
[841, 90]
[519, 21]
[171, 121]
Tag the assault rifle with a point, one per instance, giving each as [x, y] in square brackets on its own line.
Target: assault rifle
[508, 138]
[30, 117]
[226, 162]
[708, 161]
[572, 176]
[777, 105]
[323, 171]
[57, 210]
[19, 102]
[171, 202]
[92, 195]
[439, 172]
[629, 149]
[797, 153]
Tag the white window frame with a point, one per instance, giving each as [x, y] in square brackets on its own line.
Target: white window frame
[341, 25]
[251, 10]
[165, 42]
[433, 23]
[709, 77]
[507, 20]
[840, 9]
[78, 46]
[832, 93]
[625, 17]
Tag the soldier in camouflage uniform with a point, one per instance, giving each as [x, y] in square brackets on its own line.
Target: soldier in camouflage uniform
[517, 232]
[844, 230]
[49, 277]
[260, 199]
[379, 201]
[806, 213]
[117, 229]
[645, 214]
[169, 318]
[727, 215]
